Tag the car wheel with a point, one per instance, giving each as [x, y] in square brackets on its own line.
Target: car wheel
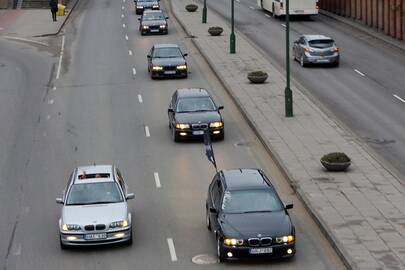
[336, 64]
[220, 252]
[207, 219]
[175, 136]
[302, 62]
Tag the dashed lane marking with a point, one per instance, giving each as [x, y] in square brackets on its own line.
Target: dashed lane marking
[147, 133]
[157, 180]
[126, 37]
[123, 25]
[62, 49]
[399, 98]
[360, 73]
[130, 52]
[51, 101]
[251, 7]
[172, 250]
[283, 25]
[122, 15]
[133, 71]
[140, 99]
[267, 15]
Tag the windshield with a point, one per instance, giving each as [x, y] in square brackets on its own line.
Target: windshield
[197, 104]
[245, 201]
[321, 43]
[167, 52]
[94, 193]
[143, 1]
[153, 16]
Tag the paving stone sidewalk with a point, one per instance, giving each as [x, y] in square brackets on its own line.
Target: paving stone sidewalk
[362, 210]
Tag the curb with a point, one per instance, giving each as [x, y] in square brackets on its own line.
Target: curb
[301, 195]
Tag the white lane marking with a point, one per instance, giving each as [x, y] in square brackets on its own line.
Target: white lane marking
[283, 25]
[126, 37]
[122, 15]
[51, 101]
[48, 117]
[140, 99]
[17, 251]
[54, 88]
[25, 40]
[122, 7]
[172, 249]
[130, 52]
[251, 7]
[147, 133]
[238, 1]
[157, 180]
[123, 1]
[123, 25]
[62, 49]
[361, 74]
[133, 71]
[267, 15]
[398, 97]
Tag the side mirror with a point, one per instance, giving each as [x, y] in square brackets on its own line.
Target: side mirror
[130, 196]
[213, 210]
[170, 110]
[220, 108]
[59, 200]
[288, 206]
[185, 54]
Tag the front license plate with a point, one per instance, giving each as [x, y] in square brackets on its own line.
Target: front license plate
[260, 250]
[198, 132]
[95, 236]
[154, 30]
[170, 72]
[322, 61]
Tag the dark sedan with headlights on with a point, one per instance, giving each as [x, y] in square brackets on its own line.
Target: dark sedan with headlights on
[191, 112]
[247, 217]
[167, 60]
[153, 22]
[142, 5]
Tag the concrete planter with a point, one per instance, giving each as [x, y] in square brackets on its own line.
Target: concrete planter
[191, 7]
[215, 30]
[257, 76]
[336, 162]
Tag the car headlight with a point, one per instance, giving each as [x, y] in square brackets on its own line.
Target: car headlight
[157, 68]
[182, 126]
[119, 224]
[155, 6]
[70, 227]
[285, 239]
[233, 242]
[145, 26]
[163, 26]
[216, 124]
[181, 67]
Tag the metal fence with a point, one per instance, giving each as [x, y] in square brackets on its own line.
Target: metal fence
[385, 15]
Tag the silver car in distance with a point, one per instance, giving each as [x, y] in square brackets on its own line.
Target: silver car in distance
[95, 210]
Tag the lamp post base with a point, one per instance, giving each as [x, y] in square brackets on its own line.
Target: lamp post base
[232, 43]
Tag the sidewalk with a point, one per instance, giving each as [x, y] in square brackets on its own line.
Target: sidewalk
[362, 211]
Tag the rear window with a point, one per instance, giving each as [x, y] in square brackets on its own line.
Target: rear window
[321, 43]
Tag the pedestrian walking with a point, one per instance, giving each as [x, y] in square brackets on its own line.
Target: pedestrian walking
[54, 8]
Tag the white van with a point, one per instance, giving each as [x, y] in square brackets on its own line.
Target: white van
[297, 7]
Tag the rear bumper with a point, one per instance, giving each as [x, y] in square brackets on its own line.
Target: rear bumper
[278, 251]
[333, 59]
[117, 236]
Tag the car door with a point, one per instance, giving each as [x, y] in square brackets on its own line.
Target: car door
[150, 54]
[216, 195]
[301, 46]
[172, 109]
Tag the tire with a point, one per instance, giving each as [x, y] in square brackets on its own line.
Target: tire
[207, 219]
[302, 63]
[176, 138]
[336, 64]
[220, 254]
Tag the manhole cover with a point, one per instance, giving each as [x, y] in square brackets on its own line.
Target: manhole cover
[204, 259]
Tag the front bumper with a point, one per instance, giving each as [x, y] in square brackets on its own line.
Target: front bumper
[116, 236]
[154, 31]
[169, 73]
[278, 251]
[329, 59]
[189, 133]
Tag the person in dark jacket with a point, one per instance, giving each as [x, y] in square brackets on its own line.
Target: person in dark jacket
[54, 8]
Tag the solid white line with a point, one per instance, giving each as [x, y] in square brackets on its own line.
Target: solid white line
[362, 74]
[157, 180]
[133, 71]
[398, 97]
[60, 58]
[126, 37]
[283, 25]
[123, 25]
[251, 7]
[130, 52]
[147, 133]
[172, 249]
[267, 15]
[140, 99]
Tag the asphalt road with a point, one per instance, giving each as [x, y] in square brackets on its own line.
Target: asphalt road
[98, 112]
[366, 92]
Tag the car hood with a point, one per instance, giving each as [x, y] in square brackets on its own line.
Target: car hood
[252, 224]
[195, 117]
[94, 214]
[174, 61]
[154, 22]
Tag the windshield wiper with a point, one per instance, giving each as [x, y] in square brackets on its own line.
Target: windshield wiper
[102, 202]
[257, 211]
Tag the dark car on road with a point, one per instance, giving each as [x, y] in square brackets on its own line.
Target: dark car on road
[142, 5]
[247, 217]
[153, 22]
[191, 112]
[316, 49]
[167, 60]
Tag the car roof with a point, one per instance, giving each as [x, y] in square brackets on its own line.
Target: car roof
[94, 173]
[165, 45]
[316, 37]
[240, 179]
[192, 92]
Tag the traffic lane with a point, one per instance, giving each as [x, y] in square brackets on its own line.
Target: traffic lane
[322, 83]
[183, 184]
[24, 76]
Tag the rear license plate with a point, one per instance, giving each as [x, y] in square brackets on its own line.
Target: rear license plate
[261, 250]
[170, 72]
[198, 132]
[95, 236]
[298, 11]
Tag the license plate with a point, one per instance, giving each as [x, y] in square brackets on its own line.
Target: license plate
[170, 72]
[260, 250]
[95, 236]
[198, 132]
[322, 61]
[298, 11]
[154, 30]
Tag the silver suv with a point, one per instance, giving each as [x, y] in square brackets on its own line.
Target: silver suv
[95, 210]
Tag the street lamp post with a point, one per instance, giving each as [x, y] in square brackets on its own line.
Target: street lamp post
[204, 13]
[287, 92]
[232, 37]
